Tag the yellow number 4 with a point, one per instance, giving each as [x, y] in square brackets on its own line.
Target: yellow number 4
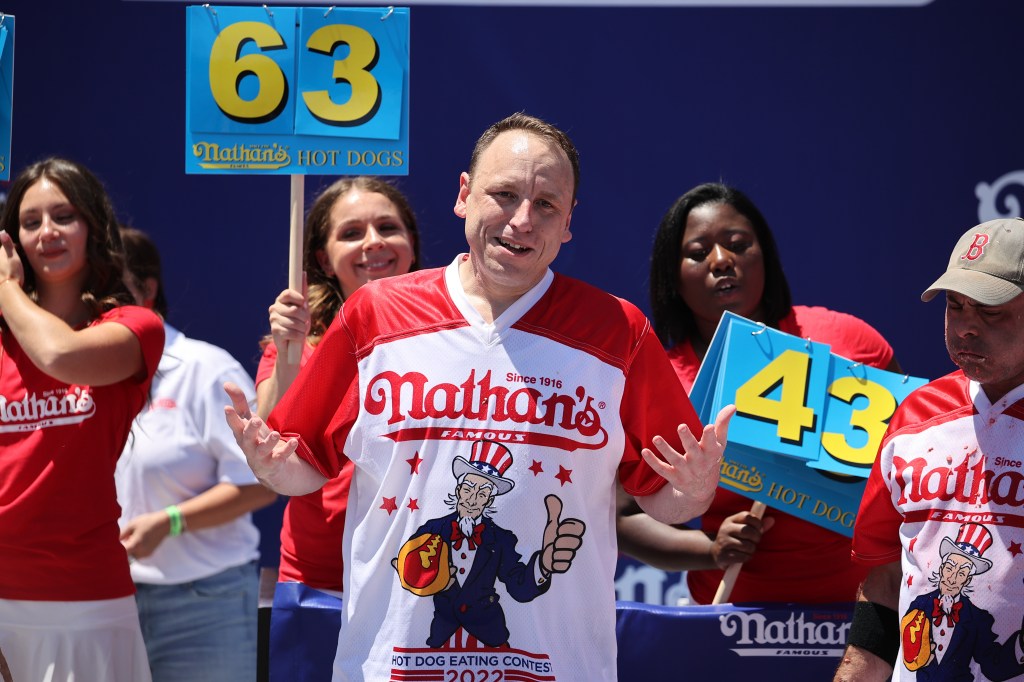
[789, 371]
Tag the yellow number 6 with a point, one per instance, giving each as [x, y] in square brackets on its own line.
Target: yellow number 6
[227, 70]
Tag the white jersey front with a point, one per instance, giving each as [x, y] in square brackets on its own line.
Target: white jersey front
[470, 442]
[946, 498]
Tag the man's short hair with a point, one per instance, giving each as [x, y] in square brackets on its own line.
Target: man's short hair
[536, 126]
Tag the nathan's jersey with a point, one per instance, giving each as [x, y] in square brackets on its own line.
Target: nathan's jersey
[946, 498]
[59, 445]
[438, 411]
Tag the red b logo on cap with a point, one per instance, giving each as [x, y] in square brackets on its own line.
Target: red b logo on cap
[977, 247]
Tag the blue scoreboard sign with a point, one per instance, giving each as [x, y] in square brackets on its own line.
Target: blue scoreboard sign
[286, 90]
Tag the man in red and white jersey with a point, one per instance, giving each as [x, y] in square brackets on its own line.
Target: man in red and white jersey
[555, 388]
[941, 522]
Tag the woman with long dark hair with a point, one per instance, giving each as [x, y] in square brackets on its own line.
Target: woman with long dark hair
[77, 362]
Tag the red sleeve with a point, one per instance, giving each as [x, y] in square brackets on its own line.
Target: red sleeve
[267, 362]
[876, 531]
[148, 329]
[653, 404]
[321, 406]
[269, 359]
[848, 336]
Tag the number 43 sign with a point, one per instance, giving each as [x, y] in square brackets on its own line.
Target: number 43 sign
[808, 422]
[290, 91]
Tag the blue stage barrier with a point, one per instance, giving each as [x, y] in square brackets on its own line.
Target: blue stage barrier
[725, 642]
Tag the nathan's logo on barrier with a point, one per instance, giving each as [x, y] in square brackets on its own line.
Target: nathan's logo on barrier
[800, 634]
[51, 409]
[964, 482]
[413, 396]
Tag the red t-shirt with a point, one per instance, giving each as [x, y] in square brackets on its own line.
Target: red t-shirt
[796, 561]
[60, 444]
[313, 524]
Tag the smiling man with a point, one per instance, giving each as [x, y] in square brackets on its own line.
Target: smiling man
[950, 466]
[560, 387]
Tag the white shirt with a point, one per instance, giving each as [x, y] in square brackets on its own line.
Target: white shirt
[179, 447]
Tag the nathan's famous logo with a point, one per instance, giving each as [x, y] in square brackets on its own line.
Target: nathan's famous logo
[413, 396]
[792, 634]
[964, 482]
[51, 409]
[740, 476]
[257, 156]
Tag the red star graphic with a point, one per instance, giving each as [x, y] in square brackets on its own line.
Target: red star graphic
[910, 547]
[536, 468]
[412, 505]
[414, 463]
[910, 580]
[1014, 548]
[564, 475]
[390, 505]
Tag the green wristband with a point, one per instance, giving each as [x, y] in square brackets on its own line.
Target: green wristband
[177, 523]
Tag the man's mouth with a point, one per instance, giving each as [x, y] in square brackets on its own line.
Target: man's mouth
[515, 248]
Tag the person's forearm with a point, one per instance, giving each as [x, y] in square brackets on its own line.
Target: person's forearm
[669, 505]
[272, 389]
[292, 476]
[882, 586]
[663, 546]
[222, 503]
[97, 355]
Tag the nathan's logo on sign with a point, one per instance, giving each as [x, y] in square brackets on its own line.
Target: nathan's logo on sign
[412, 396]
[51, 409]
[800, 634]
[964, 482]
[261, 156]
[740, 476]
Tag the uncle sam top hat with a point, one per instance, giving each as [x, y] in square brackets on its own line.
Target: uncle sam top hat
[971, 541]
[987, 264]
[489, 459]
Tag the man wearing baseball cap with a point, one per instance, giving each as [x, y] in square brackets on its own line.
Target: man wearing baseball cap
[952, 458]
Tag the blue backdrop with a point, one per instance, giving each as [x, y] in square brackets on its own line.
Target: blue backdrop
[863, 133]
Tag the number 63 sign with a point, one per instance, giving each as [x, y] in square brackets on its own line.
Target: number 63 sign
[289, 91]
[808, 422]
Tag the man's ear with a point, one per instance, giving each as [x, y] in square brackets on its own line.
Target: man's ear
[460, 201]
[567, 233]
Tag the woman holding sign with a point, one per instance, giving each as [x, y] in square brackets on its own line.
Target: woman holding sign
[76, 367]
[714, 252]
[359, 229]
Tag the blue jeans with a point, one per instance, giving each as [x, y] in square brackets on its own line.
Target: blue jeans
[202, 631]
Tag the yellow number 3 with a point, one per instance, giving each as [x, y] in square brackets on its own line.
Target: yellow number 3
[873, 419]
[363, 53]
